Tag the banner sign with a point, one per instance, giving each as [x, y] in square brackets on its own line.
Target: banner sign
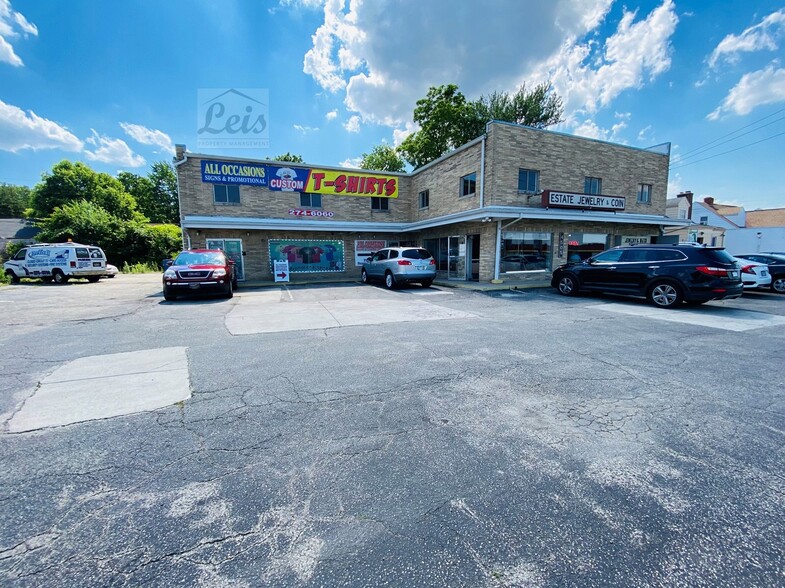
[364, 249]
[324, 181]
[226, 172]
[283, 178]
[308, 256]
[551, 198]
[287, 179]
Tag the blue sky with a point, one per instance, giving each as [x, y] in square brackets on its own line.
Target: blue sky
[115, 84]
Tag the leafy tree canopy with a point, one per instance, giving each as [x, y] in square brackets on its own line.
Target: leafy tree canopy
[383, 158]
[156, 194]
[447, 120]
[14, 200]
[290, 157]
[72, 181]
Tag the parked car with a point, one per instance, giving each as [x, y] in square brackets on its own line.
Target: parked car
[516, 262]
[111, 271]
[776, 263]
[199, 271]
[753, 274]
[400, 265]
[666, 275]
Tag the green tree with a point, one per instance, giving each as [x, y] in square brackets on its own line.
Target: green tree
[13, 200]
[85, 222]
[156, 194]
[383, 158]
[447, 120]
[72, 181]
[290, 157]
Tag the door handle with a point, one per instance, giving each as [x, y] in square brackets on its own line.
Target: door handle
[654, 267]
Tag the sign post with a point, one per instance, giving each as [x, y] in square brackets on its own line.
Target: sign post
[281, 270]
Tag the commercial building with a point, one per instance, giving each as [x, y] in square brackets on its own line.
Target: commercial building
[512, 204]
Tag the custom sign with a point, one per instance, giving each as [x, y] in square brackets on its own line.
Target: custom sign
[227, 172]
[308, 256]
[324, 181]
[553, 199]
[287, 179]
[364, 249]
[281, 270]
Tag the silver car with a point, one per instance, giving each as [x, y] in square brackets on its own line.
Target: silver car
[400, 265]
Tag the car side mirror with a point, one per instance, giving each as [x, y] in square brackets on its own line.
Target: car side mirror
[167, 263]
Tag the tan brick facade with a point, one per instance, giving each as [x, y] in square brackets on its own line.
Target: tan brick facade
[563, 162]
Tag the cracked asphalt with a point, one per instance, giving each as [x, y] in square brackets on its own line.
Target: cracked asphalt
[528, 441]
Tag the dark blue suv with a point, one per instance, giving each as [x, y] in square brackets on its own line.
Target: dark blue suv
[666, 275]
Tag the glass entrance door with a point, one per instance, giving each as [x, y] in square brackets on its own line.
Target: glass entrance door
[456, 257]
[233, 248]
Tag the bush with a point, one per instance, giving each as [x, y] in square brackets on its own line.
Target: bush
[11, 249]
[141, 268]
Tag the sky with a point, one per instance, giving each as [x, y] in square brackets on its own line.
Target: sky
[118, 84]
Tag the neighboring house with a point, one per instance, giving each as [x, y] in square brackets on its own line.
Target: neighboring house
[514, 191]
[764, 231]
[705, 226]
[16, 230]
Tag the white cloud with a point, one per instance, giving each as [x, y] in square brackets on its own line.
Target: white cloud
[399, 135]
[305, 130]
[383, 61]
[115, 151]
[589, 128]
[353, 124]
[351, 162]
[589, 76]
[11, 23]
[765, 86]
[762, 36]
[332, 115]
[146, 136]
[26, 130]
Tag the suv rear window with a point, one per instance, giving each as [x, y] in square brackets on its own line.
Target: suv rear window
[718, 255]
[81, 253]
[416, 254]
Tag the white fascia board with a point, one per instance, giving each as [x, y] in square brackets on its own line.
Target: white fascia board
[232, 222]
[493, 212]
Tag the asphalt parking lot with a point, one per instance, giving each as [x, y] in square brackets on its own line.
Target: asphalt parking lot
[346, 435]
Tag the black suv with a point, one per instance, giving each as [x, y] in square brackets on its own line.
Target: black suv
[776, 263]
[666, 275]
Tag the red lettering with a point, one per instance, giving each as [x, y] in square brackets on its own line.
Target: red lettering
[361, 188]
[380, 182]
[352, 187]
[340, 184]
[370, 185]
[389, 187]
[317, 180]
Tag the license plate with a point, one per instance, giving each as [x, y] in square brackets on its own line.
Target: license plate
[96, 264]
[193, 286]
[733, 274]
[420, 267]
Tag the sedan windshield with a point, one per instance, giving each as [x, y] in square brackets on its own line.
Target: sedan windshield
[191, 258]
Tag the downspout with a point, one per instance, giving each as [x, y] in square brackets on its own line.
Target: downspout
[482, 172]
[184, 232]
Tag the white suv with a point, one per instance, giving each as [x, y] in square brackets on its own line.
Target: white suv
[400, 265]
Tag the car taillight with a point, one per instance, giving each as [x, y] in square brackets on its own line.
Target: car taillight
[433, 261]
[747, 269]
[404, 262]
[717, 272]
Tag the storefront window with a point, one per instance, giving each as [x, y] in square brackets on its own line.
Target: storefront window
[582, 246]
[525, 252]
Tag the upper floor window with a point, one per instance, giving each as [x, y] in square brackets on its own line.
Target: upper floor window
[528, 180]
[644, 193]
[469, 184]
[378, 203]
[592, 185]
[311, 200]
[226, 194]
[683, 214]
[704, 220]
[425, 198]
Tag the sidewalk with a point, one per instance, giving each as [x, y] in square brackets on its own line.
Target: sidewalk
[540, 281]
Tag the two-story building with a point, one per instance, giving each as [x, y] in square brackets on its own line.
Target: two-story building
[509, 205]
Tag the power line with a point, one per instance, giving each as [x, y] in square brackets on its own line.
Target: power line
[730, 151]
[736, 131]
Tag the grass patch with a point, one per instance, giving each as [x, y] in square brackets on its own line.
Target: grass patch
[141, 268]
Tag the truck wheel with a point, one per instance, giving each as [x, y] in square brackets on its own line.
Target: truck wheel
[93, 279]
[59, 277]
